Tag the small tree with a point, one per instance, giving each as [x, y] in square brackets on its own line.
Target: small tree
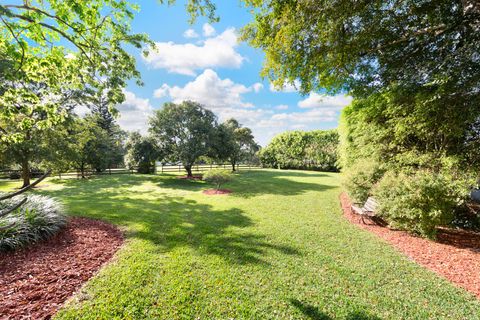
[218, 177]
[141, 153]
[184, 131]
[234, 143]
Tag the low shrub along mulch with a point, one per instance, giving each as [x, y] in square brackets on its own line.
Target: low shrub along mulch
[38, 219]
[36, 281]
[455, 255]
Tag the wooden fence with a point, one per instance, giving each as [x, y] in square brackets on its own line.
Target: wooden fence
[205, 167]
[170, 168]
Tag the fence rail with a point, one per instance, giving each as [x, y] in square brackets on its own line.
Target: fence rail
[8, 173]
[205, 167]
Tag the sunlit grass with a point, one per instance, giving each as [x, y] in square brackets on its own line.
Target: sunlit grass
[277, 248]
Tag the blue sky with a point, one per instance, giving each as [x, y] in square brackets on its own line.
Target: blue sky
[205, 62]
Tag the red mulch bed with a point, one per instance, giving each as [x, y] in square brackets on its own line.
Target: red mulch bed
[35, 282]
[190, 178]
[217, 192]
[455, 255]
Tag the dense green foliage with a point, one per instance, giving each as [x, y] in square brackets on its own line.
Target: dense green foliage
[217, 176]
[184, 132]
[367, 46]
[234, 143]
[428, 143]
[418, 202]
[277, 247]
[315, 150]
[142, 152]
[38, 219]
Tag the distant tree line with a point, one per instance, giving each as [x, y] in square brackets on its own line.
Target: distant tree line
[186, 132]
[311, 150]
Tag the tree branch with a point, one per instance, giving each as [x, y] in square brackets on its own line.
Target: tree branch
[11, 195]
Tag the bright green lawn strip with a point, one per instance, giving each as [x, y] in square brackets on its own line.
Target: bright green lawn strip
[278, 247]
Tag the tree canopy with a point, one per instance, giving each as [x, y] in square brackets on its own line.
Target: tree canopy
[184, 131]
[366, 46]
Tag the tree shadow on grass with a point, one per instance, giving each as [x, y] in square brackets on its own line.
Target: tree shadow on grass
[314, 313]
[248, 184]
[276, 182]
[169, 222]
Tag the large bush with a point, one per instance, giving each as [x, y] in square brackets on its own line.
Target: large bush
[315, 150]
[418, 202]
[359, 178]
[38, 219]
[218, 177]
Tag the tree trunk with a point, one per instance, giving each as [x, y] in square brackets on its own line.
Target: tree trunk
[189, 170]
[82, 171]
[25, 173]
[233, 166]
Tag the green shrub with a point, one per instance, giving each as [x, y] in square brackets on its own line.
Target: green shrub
[360, 178]
[217, 176]
[310, 150]
[418, 202]
[38, 219]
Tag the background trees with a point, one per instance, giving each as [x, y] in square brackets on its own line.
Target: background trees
[185, 132]
[142, 152]
[302, 150]
[234, 143]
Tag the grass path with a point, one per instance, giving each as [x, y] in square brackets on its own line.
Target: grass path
[277, 248]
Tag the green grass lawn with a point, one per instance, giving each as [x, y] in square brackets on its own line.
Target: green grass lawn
[277, 248]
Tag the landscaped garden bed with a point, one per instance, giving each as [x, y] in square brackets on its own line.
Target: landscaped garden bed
[35, 282]
[455, 255]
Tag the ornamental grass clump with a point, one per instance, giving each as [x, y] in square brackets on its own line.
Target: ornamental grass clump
[38, 219]
[218, 177]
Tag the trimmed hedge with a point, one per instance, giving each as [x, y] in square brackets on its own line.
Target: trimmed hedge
[310, 150]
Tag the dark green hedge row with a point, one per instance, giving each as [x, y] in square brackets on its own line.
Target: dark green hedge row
[310, 150]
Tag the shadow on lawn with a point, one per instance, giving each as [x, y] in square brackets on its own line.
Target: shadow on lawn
[248, 184]
[315, 314]
[169, 221]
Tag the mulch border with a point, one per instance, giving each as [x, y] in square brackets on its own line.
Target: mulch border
[36, 282]
[455, 255]
[213, 192]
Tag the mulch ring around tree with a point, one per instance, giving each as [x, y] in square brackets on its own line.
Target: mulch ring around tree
[198, 177]
[212, 192]
[455, 255]
[35, 282]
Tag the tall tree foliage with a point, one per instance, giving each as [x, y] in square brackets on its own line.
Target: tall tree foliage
[234, 143]
[365, 46]
[184, 131]
[142, 152]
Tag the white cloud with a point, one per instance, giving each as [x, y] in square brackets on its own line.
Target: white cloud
[190, 33]
[187, 58]
[281, 107]
[134, 112]
[257, 87]
[314, 116]
[315, 100]
[209, 89]
[287, 87]
[208, 30]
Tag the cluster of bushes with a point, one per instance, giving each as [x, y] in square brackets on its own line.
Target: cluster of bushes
[38, 219]
[310, 150]
[417, 159]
